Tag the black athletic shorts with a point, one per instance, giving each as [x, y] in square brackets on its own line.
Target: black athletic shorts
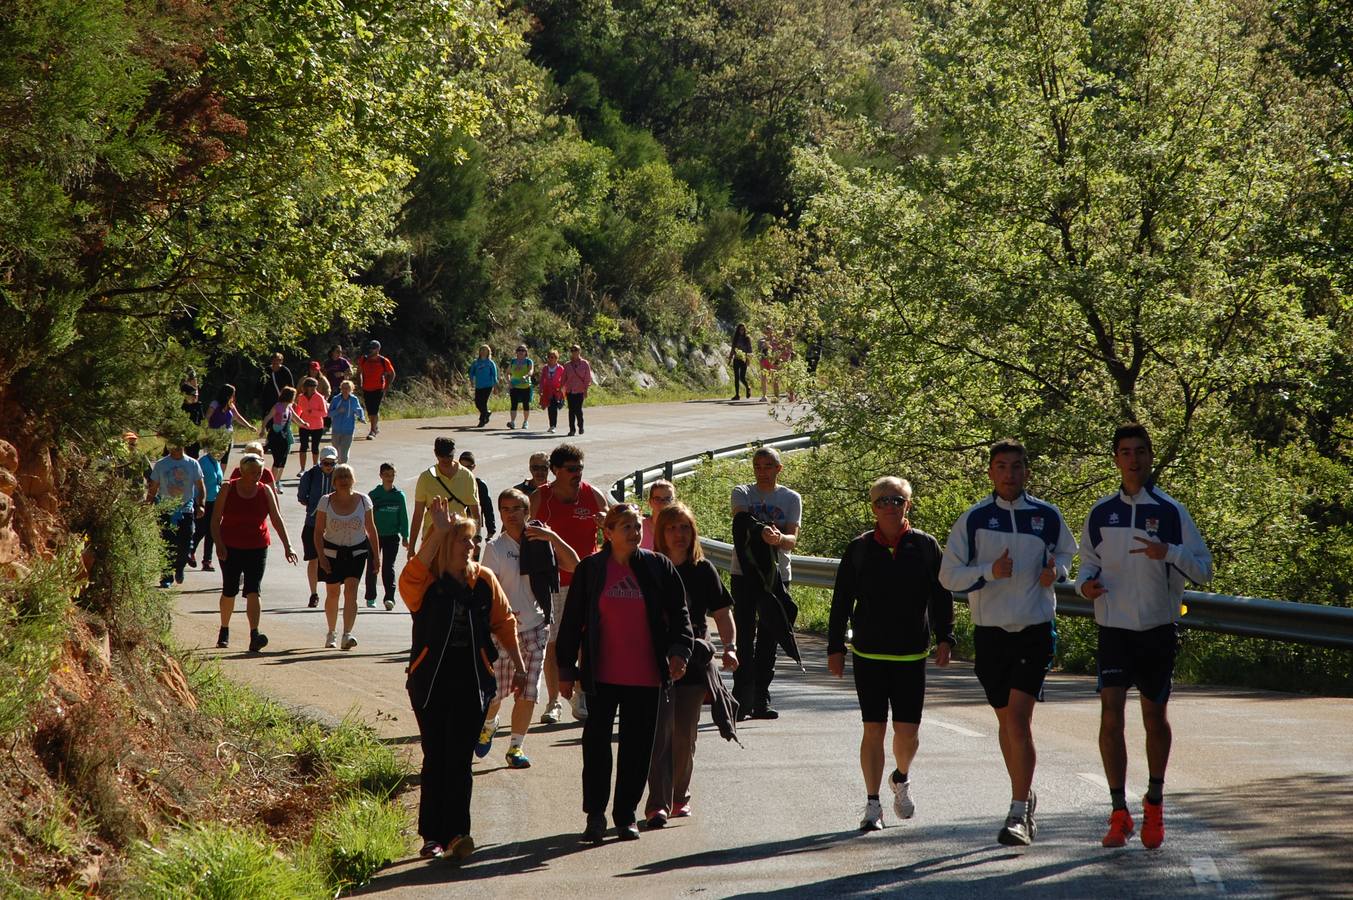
[1017, 660]
[345, 562]
[520, 397]
[881, 683]
[1141, 658]
[280, 448]
[373, 401]
[237, 564]
[308, 550]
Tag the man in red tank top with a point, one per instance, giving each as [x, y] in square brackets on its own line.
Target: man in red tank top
[574, 509]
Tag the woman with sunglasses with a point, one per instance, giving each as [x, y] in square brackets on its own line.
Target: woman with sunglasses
[888, 590]
[626, 636]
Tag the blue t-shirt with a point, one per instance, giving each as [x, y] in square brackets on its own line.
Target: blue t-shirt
[484, 373]
[212, 476]
[177, 480]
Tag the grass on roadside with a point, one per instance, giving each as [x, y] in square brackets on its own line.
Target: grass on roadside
[356, 839]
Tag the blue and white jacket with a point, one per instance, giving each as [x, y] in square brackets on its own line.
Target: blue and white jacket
[1140, 592]
[1032, 531]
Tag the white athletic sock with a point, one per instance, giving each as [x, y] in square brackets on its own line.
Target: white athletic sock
[517, 740]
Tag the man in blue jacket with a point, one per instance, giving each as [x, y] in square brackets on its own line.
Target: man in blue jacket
[1138, 547]
[1006, 552]
[316, 481]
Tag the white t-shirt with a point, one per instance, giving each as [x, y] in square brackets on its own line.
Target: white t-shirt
[349, 530]
[781, 507]
[502, 556]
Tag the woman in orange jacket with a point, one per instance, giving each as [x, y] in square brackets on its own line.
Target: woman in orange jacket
[456, 606]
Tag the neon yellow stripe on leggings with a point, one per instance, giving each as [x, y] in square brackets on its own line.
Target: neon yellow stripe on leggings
[885, 657]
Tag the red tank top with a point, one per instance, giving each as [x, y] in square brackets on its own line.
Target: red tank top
[244, 523]
[575, 521]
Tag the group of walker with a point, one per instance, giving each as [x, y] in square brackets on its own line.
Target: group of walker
[1137, 549]
[616, 621]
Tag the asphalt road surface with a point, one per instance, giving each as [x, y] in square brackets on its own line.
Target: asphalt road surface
[1259, 796]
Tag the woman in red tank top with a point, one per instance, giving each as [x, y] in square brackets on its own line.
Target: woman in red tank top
[239, 527]
[574, 509]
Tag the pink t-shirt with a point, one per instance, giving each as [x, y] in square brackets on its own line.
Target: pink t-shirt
[577, 376]
[646, 542]
[625, 654]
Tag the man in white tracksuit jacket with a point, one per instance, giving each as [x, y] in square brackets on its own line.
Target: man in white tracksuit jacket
[1138, 548]
[1005, 553]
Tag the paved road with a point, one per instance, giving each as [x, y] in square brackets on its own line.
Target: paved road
[1260, 787]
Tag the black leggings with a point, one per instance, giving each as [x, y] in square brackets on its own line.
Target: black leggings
[575, 412]
[740, 375]
[552, 410]
[202, 535]
[310, 440]
[481, 402]
[638, 709]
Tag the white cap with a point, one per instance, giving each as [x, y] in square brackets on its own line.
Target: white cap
[328, 453]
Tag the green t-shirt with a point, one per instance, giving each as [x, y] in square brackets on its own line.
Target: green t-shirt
[519, 372]
[390, 511]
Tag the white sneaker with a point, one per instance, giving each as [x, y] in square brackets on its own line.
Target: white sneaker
[579, 704]
[873, 816]
[549, 430]
[552, 712]
[349, 641]
[331, 640]
[902, 802]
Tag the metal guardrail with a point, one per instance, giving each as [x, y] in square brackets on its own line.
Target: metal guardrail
[1280, 620]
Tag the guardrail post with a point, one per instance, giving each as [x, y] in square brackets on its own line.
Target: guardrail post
[667, 470]
[639, 484]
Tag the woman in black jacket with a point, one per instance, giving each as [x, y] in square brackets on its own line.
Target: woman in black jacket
[625, 633]
[456, 606]
[888, 587]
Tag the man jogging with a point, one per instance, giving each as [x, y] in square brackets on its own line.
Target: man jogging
[1138, 547]
[782, 509]
[1005, 553]
[888, 589]
[378, 376]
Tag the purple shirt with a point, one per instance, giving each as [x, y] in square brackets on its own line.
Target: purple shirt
[577, 376]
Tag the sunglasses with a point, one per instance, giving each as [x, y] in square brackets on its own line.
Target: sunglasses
[326, 462]
[575, 468]
[660, 498]
[892, 501]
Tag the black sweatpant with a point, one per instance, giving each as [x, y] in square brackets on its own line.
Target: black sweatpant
[448, 729]
[552, 410]
[178, 542]
[389, 553]
[575, 412]
[638, 709]
[757, 641]
[481, 402]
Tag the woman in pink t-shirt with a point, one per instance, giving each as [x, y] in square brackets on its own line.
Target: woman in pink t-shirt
[626, 618]
[577, 379]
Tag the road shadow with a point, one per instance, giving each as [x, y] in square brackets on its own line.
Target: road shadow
[1309, 855]
[490, 861]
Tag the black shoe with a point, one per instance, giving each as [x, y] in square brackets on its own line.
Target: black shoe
[314, 601]
[223, 638]
[595, 832]
[735, 397]
[257, 641]
[571, 433]
[763, 712]
[628, 832]
[657, 820]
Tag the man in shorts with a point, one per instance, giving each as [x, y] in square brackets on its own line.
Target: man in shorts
[378, 376]
[315, 483]
[770, 502]
[574, 509]
[1138, 548]
[447, 479]
[1006, 553]
[502, 556]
